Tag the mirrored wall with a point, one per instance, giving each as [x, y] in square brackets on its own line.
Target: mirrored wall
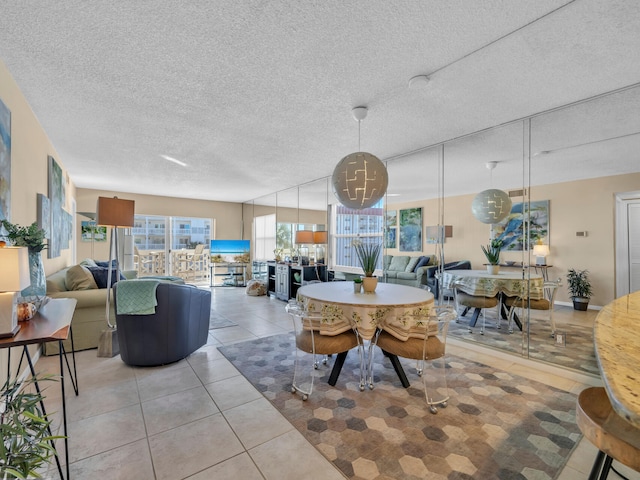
[566, 165]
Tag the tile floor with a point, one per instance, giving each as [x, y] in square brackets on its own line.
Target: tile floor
[200, 419]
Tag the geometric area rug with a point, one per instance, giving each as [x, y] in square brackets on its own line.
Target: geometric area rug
[496, 426]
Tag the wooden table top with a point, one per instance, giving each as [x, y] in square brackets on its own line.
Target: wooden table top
[51, 323]
[617, 341]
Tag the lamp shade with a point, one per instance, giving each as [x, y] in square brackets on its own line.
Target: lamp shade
[115, 212]
[304, 237]
[320, 238]
[491, 206]
[359, 180]
[540, 250]
[14, 269]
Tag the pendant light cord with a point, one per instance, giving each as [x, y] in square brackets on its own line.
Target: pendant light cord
[359, 122]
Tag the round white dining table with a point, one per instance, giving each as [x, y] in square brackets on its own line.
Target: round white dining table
[397, 309]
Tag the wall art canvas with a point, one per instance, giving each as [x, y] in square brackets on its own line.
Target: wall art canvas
[5, 162]
[67, 225]
[56, 197]
[89, 231]
[435, 234]
[44, 214]
[391, 218]
[511, 229]
[411, 230]
[390, 237]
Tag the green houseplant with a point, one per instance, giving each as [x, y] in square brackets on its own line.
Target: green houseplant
[368, 255]
[492, 253]
[33, 237]
[26, 441]
[579, 288]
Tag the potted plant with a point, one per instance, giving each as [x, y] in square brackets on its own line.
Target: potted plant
[368, 255]
[33, 237]
[579, 288]
[492, 252]
[26, 438]
[357, 285]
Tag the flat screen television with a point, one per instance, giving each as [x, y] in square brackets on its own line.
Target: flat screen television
[229, 249]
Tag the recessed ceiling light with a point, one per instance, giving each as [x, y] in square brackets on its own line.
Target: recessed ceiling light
[393, 194]
[174, 160]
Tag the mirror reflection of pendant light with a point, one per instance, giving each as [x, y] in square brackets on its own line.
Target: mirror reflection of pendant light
[360, 179]
[491, 206]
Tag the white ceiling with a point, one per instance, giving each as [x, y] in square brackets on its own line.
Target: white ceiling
[256, 96]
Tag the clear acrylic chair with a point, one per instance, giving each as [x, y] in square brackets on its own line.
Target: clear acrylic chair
[478, 303]
[430, 349]
[310, 341]
[524, 301]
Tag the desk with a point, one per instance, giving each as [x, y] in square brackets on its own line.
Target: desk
[387, 308]
[52, 323]
[617, 342]
[482, 284]
[541, 269]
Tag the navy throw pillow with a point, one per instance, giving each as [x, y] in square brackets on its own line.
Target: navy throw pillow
[106, 264]
[424, 261]
[101, 276]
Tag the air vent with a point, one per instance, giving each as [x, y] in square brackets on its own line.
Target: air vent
[517, 193]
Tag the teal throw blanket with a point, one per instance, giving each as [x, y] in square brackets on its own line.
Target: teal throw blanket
[137, 297]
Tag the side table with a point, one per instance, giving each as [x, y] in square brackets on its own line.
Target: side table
[52, 323]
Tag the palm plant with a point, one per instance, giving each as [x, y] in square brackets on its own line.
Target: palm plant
[368, 254]
[32, 236]
[492, 251]
[579, 284]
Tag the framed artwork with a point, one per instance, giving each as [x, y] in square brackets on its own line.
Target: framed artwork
[89, 231]
[5, 162]
[511, 229]
[411, 230]
[438, 233]
[44, 214]
[391, 218]
[67, 224]
[56, 197]
[390, 237]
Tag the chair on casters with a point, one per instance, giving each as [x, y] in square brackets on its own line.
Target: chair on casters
[309, 340]
[524, 301]
[615, 438]
[478, 303]
[428, 349]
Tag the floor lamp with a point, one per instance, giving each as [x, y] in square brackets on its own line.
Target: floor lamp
[112, 212]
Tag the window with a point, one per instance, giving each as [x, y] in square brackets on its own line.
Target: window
[264, 231]
[348, 225]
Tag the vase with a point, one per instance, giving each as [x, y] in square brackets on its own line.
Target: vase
[38, 288]
[369, 284]
[493, 269]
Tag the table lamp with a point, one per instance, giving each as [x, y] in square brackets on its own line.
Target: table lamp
[320, 238]
[541, 251]
[14, 277]
[304, 237]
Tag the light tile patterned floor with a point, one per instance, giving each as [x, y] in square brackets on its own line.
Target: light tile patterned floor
[200, 419]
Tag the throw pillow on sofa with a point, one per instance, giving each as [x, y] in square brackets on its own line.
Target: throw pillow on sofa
[399, 263]
[101, 276]
[411, 266]
[424, 261]
[79, 278]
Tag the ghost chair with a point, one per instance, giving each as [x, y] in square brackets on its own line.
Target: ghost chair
[477, 302]
[430, 349]
[310, 341]
[525, 301]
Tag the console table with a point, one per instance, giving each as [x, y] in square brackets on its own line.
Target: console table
[235, 274]
[52, 323]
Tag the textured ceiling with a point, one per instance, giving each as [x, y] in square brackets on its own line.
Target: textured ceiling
[256, 96]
